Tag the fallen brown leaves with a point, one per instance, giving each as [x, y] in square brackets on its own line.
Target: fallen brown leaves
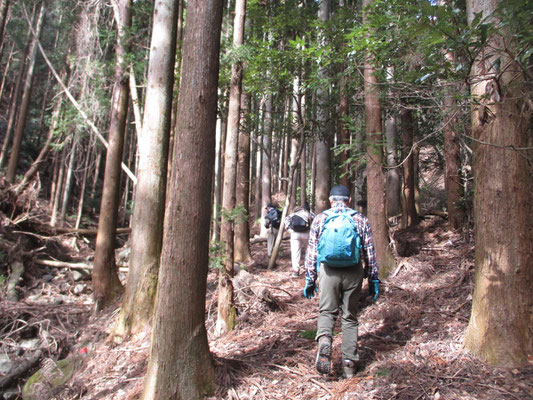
[410, 340]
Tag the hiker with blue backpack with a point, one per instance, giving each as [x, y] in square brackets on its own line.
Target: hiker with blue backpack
[298, 224]
[340, 238]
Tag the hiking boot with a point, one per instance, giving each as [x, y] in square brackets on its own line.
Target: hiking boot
[295, 274]
[348, 369]
[323, 362]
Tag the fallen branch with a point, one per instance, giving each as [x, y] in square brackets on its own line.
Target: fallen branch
[22, 368]
[262, 239]
[64, 264]
[88, 232]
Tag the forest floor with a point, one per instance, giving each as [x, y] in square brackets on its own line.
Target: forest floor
[410, 339]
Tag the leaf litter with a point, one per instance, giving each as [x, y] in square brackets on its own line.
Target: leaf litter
[410, 340]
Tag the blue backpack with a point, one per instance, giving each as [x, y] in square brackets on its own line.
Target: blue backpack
[339, 244]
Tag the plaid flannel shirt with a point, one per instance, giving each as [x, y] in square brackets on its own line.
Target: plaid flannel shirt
[364, 231]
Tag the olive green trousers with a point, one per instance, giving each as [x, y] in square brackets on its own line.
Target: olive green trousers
[340, 290]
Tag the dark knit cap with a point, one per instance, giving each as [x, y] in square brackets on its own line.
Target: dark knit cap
[339, 190]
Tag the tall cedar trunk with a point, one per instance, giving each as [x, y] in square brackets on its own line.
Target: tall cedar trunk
[409, 214]
[344, 133]
[227, 316]
[500, 330]
[304, 158]
[180, 362]
[266, 172]
[375, 176]
[148, 214]
[452, 154]
[323, 173]
[106, 284]
[242, 226]
[25, 100]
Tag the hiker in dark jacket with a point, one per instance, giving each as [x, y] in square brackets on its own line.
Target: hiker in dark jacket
[298, 224]
[272, 223]
[340, 287]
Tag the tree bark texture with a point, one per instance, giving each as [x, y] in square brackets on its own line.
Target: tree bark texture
[242, 226]
[375, 177]
[500, 330]
[106, 284]
[226, 318]
[323, 170]
[149, 211]
[180, 362]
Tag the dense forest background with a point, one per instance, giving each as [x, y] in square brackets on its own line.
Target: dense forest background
[142, 140]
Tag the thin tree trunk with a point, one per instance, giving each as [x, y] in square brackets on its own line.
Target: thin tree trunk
[135, 103]
[83, 188]
[393, 182]
[96, 175]
[4, 6]
[452, 154]
[106, 284]
[258, 171]
[15, 99]
[226, 318]
[217, 182]
[25, 100]
[6, 68]
[409, 214]
[180, 364]
[266, 171]
[67, 185]
[242, 226]
[58, 186]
